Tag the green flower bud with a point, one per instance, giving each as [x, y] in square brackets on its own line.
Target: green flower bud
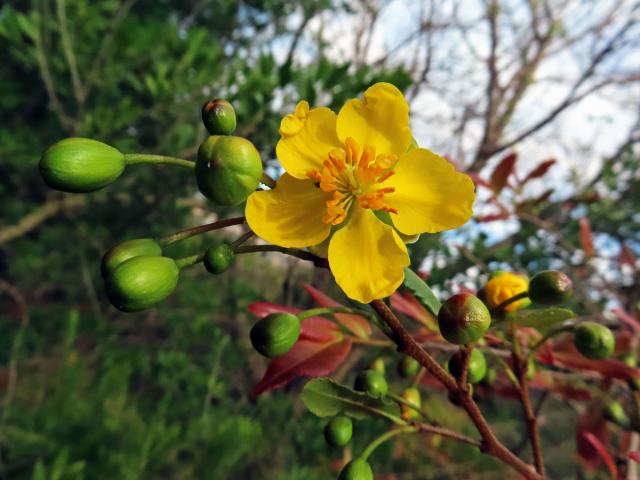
[477, 366]
[614, 412]
[228, 169]
[531, 368]
[356, 469]
[550, 288]
[594, 341]
[372, 382]
[411, 395]
[140, 282]
[408, 367]
[126, 250]
[275, 334]
[378, 366]
[338, 431]
[219, 117]
[218, 259]
[463, 319]
[80, 165]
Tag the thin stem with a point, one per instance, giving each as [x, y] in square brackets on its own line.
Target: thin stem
[268, 181]
[190, 232]
[383, 438]
[294, 252]
[190, 260]
[445, 432]
[371, 342]
[241, 239]
[564, 327]
[134, 158]
[509, 301]
[320, 311]
[399, 399]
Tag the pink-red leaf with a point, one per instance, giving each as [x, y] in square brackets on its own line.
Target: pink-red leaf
[411, 307]
[503, 170]
[635, 456]
[356, 324]
[586, 237]
[539, 171]
[492, 217]
[601, 450]
[318, 329]
[622, 314]
[607, 368]
[627, 257]
[262, 309]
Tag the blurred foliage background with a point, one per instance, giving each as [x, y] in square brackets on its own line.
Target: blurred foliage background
[88, 392]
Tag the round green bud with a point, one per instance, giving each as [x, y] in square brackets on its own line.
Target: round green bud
[477, 366]
[126, 250]
[463, 319]
[80, 165]
[356, 469]
[228, 169]
[219, 117]
[218, 259]
[378, 365]
[411, 395]
[614, 412]
[594, 341]
[372, 382]
[550, 287]
[408, 367]
[338, 431]
[141, 282]
[275, 334]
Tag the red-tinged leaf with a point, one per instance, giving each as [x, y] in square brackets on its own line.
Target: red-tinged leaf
[318, 329]
[356, 324]
[492, 217]
[635, 456]
[262, 309]
[410, 306]
[586, 237]
[607, 368]
[601, 450]
[595, 424]
[306, 359]
[627, 257]
[539, 171]
[503, 170]
[622, 314]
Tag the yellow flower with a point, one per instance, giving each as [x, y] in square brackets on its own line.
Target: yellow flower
[504, 285]
[353, 180]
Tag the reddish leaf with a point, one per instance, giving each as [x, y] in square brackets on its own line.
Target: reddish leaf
[607, 368]
[262, 309]
[356, 324]
[635, 456]
[539, 171]
[492, 217]
[307, 358]
[627, 257]
[318, 329]
[594, 424]
[586, 237]
[410, 306]
[502, 172]
[626, 318]
[601, 450]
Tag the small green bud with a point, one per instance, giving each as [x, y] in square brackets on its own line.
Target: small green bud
[550, 287]
[228, 169]
[594, 341]
[338, 431]
[275, 334]
[219, 117]
[614, 412]
[477, 366]
[80, 165]
[356, 469]
[411, 395]
[463, 319]
[378, 366]
[218, 259]
[408, 367]
[126, 250]
[372, 382]
[531, 368]
[141, 282]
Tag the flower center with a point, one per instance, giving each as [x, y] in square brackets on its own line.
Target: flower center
[351, 176]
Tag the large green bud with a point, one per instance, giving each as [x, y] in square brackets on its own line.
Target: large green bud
[594, 341]
[228, 169]
[477, 366]
[463, 319]
[219, 117]
[124, 251]
[356, 469]
[372, 382]
[80, 165]
[275, 334]
[338, 431]
[550, 287]
[218, 259]
[140, 282]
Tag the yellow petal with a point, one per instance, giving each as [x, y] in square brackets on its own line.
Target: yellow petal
[430, 195]
[367, 257]
[381, 120]
[307, 137]
[289, 215]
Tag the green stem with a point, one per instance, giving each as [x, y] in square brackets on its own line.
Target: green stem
[268, 181]
[383, 438]
[301, 254]
[133, 158]
[190, 260]
[241, 239]
[564, 327]
[320, 311]
[190, 232]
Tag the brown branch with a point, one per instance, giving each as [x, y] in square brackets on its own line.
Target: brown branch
[445, 432]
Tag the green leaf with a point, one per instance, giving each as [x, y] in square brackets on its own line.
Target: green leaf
[541, 318]
[326, 398]
[422, 292]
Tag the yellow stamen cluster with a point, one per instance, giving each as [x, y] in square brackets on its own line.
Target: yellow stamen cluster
[351, 175]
